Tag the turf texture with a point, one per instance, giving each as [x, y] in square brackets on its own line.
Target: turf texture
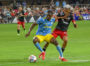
[15, 50]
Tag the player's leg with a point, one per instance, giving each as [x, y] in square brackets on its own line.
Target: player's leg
[64, 37]
[18, 28]
[65, 40]
[23, 25]
[53, 41]
[36, 42]
[55, 35]
[45, 46]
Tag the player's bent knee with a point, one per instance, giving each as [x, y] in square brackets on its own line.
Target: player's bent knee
[35, 40]
[65, 40]
[53, 41]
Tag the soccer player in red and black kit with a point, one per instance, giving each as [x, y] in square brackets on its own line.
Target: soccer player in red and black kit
[62, 27]
[21, 21]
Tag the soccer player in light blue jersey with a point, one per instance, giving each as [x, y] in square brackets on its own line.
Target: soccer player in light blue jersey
[44, 34]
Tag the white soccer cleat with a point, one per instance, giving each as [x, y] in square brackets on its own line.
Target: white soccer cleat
[18, 34]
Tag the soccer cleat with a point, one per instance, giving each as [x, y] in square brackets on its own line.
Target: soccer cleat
[18, 34]
[63, 59]
[43, 55]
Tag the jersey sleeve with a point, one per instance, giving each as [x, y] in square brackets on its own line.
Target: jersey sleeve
[40, 20]
[53, 20]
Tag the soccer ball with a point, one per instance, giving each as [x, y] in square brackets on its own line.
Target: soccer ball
[32, 58]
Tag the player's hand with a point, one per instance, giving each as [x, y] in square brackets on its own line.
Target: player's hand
[27, 35]
[75, 25]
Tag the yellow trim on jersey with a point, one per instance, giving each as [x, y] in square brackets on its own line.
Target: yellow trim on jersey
[46, 38]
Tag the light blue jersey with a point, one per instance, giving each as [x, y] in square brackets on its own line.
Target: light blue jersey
[44, 26]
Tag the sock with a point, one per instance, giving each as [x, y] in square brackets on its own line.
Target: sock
[44, 49]
[63, 49]
[18, 31]
[38, 46]
[59, 50]
[24, 29]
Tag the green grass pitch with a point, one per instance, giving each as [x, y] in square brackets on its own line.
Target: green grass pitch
[15, 50]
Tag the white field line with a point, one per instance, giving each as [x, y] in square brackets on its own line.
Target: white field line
[73, 61]
[54, 59]
[78, 61]
[78, 57]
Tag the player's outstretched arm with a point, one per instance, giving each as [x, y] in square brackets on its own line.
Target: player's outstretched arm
[30, 29]
[74, 23]
[65, 16]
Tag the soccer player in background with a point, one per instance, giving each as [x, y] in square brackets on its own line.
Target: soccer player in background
[62, 27]
[44, 34]
[21, 21]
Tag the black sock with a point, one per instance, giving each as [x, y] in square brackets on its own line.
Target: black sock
[44, 49]
[24, 29]
[18, 31]
[63, 49]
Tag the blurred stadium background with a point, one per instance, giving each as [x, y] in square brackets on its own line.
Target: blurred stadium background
[8, 8]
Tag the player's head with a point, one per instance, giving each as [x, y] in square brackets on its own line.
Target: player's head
[41, 13]
[49, 15]
[20, 8]
[67, 8]
[58, 10]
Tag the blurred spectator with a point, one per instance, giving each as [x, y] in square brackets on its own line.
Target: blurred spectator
[77, 2]
[24, 4]
[38, 2]
[14, 5]
[7, 14]
[0, 3]
[28, 9]
[1, 18]
[57, 3]
[64, 3]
